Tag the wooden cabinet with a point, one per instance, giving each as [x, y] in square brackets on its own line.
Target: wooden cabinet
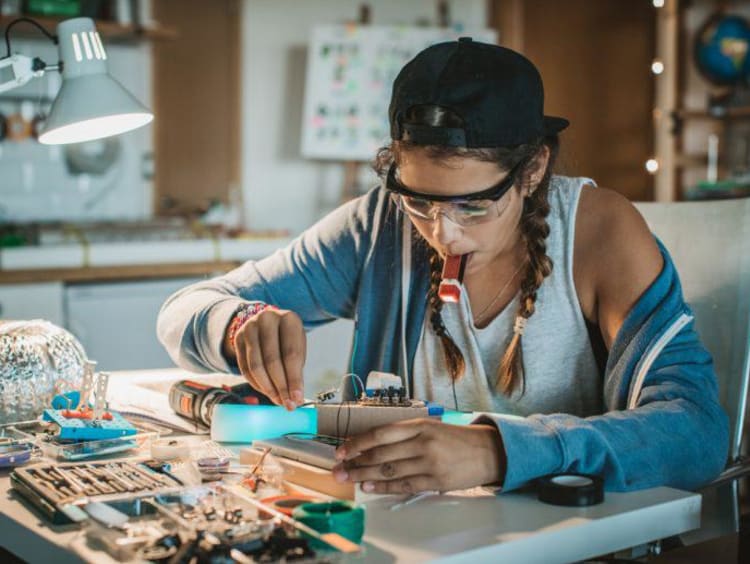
[197, 105]
[595, 60]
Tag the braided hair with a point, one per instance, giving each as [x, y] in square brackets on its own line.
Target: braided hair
[533, 226]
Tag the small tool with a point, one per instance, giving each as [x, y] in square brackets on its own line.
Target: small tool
[452, 277]
[12, 455]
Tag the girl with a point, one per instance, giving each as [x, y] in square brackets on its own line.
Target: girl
[570, 314]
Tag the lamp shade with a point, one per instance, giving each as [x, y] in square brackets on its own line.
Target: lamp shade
[90, 104]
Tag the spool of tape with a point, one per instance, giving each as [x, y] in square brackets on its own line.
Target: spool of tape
[169, 449]
[343, 517]
[572, 490]
[286, 504]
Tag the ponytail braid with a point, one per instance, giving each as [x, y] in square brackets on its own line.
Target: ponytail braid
[534, 232]
[454, 359]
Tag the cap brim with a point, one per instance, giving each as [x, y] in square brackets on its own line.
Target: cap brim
[554, 124]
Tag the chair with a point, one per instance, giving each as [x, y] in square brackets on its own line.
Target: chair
[710, 244]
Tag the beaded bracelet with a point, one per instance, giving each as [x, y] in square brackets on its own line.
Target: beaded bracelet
[242, 315]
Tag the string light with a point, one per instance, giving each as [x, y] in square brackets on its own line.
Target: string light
[652, 166]
[657, 67]
[658, 3]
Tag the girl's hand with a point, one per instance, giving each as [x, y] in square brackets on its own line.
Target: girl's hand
[422, 454]
[270, 351]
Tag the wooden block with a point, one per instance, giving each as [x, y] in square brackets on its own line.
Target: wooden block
[305, 475]
[345, 420]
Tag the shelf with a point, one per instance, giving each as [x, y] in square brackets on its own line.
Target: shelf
[730, 113]
[109, 30]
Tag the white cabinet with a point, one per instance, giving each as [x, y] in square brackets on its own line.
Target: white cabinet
[32, 301]
[116, 322]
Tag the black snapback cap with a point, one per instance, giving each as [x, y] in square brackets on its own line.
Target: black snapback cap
[497, 92]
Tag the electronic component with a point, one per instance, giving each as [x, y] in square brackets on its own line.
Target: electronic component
[201, 524]
[386, 406]
[195, 401]
[82, 425]
[77, 420]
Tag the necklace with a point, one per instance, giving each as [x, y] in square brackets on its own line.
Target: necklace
[480, 316]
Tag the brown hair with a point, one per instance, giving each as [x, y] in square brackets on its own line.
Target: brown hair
[533, 226]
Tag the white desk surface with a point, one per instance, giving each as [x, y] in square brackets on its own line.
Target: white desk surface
[446, 528]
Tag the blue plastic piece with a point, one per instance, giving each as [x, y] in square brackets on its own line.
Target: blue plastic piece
[232, 423]
[434, 410]
[68, 400]
[458, 417]
[89, 429]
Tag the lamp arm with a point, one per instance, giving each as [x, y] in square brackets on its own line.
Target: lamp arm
[17, 70]
[35, 23]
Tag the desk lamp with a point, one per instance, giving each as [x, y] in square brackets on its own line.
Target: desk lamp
[90, 104]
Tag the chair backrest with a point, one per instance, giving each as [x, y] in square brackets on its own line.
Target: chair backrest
[710, 244]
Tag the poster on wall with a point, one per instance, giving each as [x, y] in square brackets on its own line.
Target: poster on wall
[350, 71]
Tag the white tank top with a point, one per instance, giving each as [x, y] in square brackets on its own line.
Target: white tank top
[561, 373]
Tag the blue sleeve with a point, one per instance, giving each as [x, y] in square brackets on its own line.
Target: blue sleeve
[676, 434]
[316, 276]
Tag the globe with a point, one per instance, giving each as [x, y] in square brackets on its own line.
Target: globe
[721, 49]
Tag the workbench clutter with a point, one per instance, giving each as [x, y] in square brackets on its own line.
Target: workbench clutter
[175, 499]
[150, 510]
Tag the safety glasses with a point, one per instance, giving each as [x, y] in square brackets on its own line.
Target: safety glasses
[466, 209]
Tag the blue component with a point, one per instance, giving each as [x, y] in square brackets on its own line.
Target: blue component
[89, 429]
[68, 400]
[246, 423]
[434, 410]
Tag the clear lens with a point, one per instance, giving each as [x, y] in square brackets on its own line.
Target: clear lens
[470, 212]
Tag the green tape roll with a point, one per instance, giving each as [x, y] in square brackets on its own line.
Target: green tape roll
[343, 517]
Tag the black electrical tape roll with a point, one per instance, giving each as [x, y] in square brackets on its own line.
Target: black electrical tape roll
[573, 490]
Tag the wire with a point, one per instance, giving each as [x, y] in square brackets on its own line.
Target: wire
[51, 37]
[352, 375]
[348, 419]
[455, 398]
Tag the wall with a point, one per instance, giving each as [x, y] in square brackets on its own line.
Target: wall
[281, 189]
[35, 184]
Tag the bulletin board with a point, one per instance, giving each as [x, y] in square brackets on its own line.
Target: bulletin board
[350, 72]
